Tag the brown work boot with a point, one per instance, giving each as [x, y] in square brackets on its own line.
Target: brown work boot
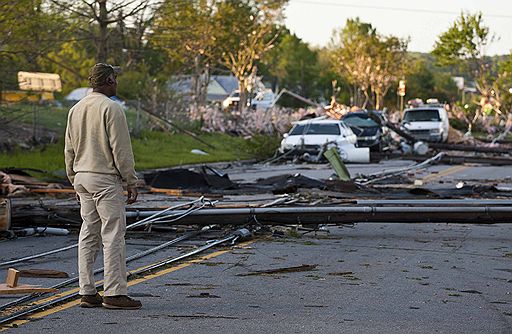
[89, 301]
[121, 303]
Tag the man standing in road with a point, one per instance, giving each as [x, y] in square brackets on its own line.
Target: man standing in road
[99, 157]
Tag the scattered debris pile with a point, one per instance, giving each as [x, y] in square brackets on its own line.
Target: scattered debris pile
[207, 179]
[306, 200]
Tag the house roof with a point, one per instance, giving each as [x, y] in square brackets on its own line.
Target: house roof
[228, 82]
[219, 87]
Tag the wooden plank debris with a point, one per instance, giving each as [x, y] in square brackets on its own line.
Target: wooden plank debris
[46, 273]
[23, 289]
[13, 276]
[11, 286]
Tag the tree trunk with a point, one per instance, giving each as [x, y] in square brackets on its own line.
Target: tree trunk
[196, 84]
[102, 52]
[366, 98]
[243, 95]
[205, 80]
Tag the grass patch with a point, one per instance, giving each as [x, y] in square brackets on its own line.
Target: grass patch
[151, 150]
[156, 149]
[49, 158]
[262, 147]
[48, 117]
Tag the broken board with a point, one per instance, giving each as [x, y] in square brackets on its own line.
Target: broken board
[11, 286]
[23, 289]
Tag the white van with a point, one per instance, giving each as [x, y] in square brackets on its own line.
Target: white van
[427, 123]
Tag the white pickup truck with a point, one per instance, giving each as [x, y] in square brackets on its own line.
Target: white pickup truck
[427, 123]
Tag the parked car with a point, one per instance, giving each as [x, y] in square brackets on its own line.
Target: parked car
[427, 122]
[260, 100]
[369, 131]
[263, 100]
[313, 134]
[232, 100]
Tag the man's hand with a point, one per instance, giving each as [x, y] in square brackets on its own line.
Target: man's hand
[132, 195]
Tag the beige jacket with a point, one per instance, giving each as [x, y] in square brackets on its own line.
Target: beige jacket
[98, 140]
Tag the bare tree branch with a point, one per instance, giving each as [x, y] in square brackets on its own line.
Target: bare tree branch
[142, 6]
[121, 6]
[70, 8]
[93, 9]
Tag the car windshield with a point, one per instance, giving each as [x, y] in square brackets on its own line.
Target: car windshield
[361, 121]
[315, 129]
[422, 115]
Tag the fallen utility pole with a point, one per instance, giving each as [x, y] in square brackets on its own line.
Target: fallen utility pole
[450, 159]
[147, 221]
[297, 96]
[470, 159]
[436, 202]
[402, 133]
[469, 148]
[350, 214]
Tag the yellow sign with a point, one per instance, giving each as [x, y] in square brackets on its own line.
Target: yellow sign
[42, 82]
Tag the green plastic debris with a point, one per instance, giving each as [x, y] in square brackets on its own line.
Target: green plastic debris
[337, 164]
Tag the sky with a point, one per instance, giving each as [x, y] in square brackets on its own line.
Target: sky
[422, 21]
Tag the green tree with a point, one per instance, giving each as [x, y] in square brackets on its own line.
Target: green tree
[327, 78]
[350, 56]
[99, 15]
[503, 85]
[389, 56]
[369, 61]
[420, 80]
[291, 64]
[245, 31]
[445, 88]
[30, 31]
[463, 44]
[72, 61]
[184, 31]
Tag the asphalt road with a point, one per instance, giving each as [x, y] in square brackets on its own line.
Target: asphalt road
[369, 278]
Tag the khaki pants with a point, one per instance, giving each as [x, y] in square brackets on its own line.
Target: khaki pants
[104, 221]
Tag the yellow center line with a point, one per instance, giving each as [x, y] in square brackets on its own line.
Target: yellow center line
[65, 306]
[448, 171]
